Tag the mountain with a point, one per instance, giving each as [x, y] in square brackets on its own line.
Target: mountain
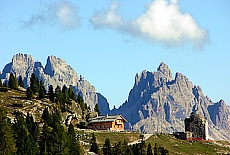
[160, 103]
[56, 72]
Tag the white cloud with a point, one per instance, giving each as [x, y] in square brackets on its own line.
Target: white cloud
[62, 12]
[161, 22]
[107, 18]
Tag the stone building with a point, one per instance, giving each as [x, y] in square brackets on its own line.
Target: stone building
[196, 126]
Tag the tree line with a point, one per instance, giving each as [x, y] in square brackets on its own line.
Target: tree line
[25, 136]
[122, 148]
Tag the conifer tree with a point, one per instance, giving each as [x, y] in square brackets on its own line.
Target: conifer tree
[72, 95]
[81, 102]
[0, 82]
[65, 94]
[58, 94]
[135, 149]
[32, 127]
[12, 82]
[24, 141]
[142, 147]
[51, 93]
[7, 141]
[96, 109]
[20, 82]
[156, 150]
[46, 139]
[29, 93]
[46, 116]
[34, 83]
[42, 90]
[163, 151]
[74, 147]
[149, 150]
[107, 147]
[93, 144]
[59, 141]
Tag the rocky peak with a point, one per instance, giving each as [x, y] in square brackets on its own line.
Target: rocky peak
[157, 97]
[20, 64]
[163, 68]
[22, 59]
[55, 64]
[58, 70]
[222, 103]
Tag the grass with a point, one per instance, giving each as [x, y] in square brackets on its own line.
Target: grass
[176, 146]
[115, 137]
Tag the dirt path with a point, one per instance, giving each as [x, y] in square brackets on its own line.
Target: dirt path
[146, 136]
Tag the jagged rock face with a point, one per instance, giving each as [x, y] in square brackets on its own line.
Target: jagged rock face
[159, 103]
[56, 72]
[60, 72]
[21, 65]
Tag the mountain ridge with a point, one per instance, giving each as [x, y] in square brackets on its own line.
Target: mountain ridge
[158, 99]
[56, 72]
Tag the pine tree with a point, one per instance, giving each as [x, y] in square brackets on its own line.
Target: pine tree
[142, 147]
[74, 147]
[59, 142]
[72, 95]
[32, 127]
[42, 90]
[156, 150]
[163, 151]
[29, 93]
[96, 109]
[46, 139]
[7, 141]
[149, 150]
[34, 83]
[121, 148]
[0, 82]
[12, 82]
[93, 144]
[81, 102]
[135, 149]
[58, 95]
[51, 93]
[65, 94]
[46, 116]
[107, 147]
[24, 141]
[20, 82]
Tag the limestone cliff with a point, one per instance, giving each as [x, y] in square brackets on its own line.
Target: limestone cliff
[160, 103]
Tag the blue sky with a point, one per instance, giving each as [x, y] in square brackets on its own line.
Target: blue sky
[108, 42]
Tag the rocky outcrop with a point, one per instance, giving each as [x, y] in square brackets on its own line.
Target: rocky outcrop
[160, 103]
[56, 72]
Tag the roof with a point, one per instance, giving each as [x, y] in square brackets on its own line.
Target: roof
[106, 118]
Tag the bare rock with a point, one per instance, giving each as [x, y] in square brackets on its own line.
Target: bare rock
[159, 103]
